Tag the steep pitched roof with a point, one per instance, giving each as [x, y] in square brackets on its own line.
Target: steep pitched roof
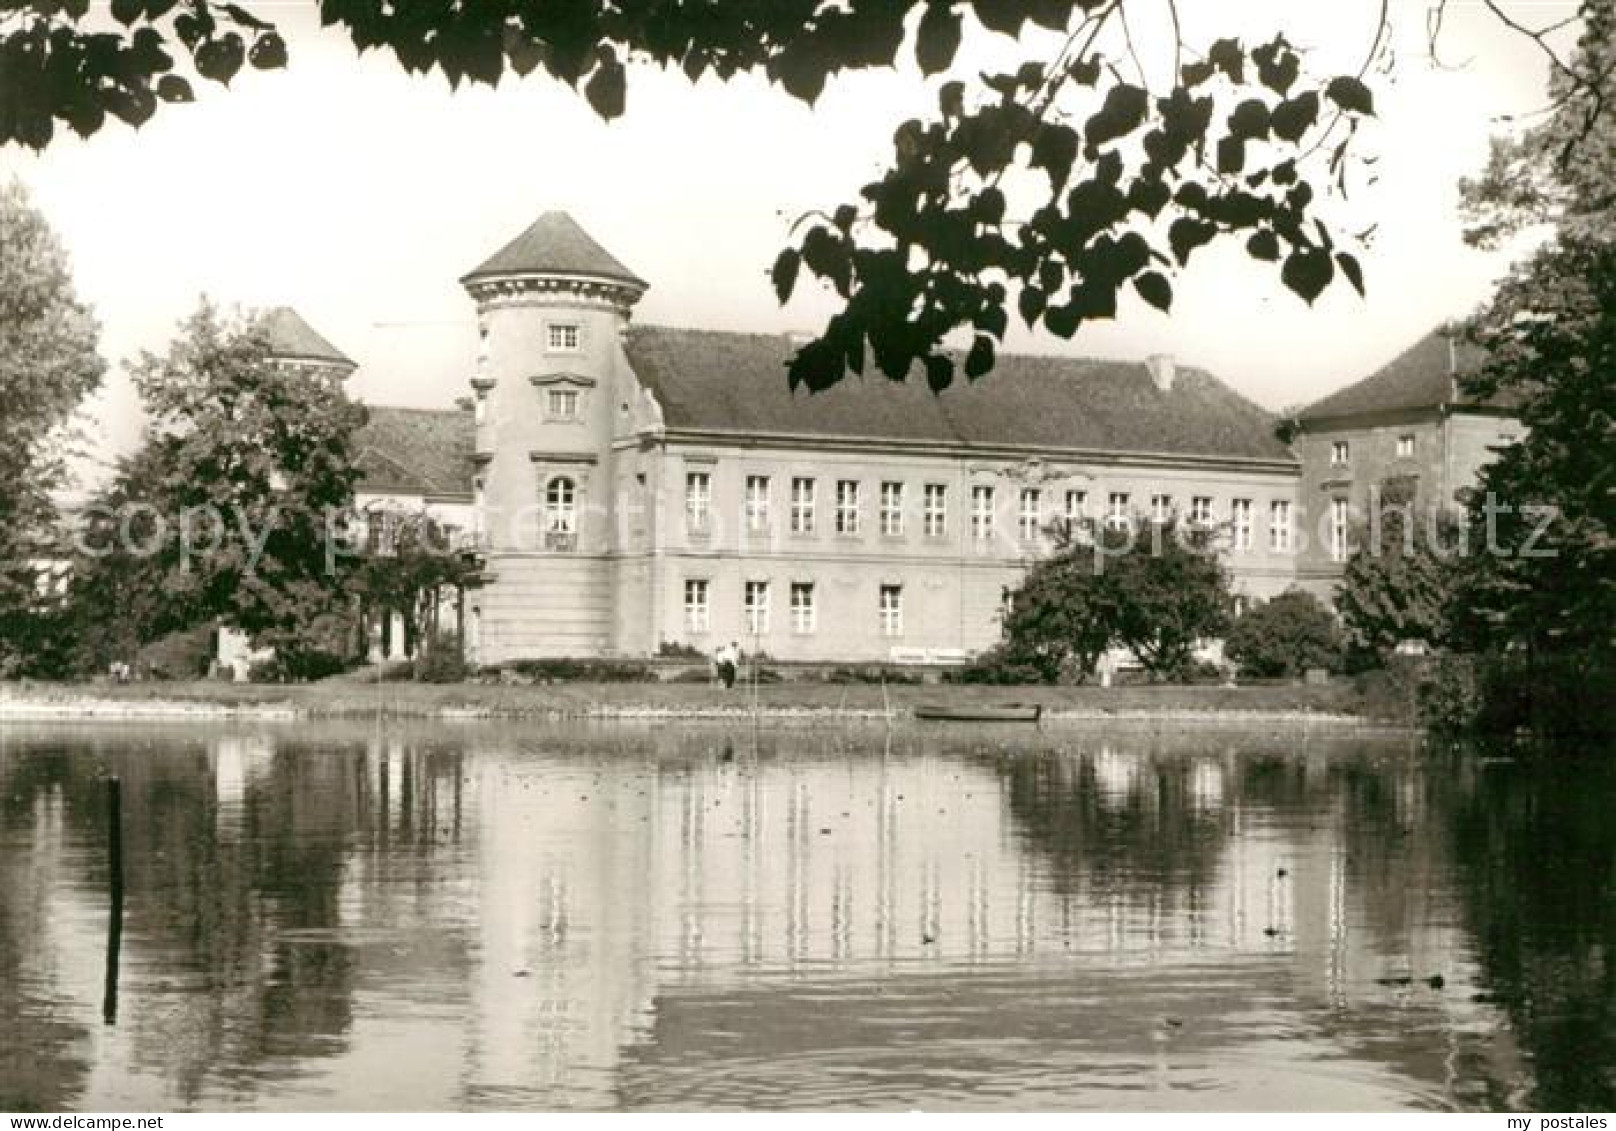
[737, 383]
[415, 451]
[1421, 377]
[555, 245]
[293, 338]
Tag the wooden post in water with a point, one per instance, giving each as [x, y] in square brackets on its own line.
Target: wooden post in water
[109, 1002]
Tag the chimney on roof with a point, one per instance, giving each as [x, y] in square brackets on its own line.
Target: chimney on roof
[1162, 370]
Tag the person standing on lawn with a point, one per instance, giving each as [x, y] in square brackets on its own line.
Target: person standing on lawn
[728, 659]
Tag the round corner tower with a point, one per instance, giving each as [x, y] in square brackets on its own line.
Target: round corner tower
[552, 306]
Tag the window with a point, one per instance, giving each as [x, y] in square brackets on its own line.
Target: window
[1505, 439]
[802, 606]
[1116, 511]
[560, 508]
[696, 605]
[564, 337]
[802, 506]
[757, 608]
[936, 510]
[1161, 508]
[1030, 516]
[1340, 452]
[1239, 604]
[561, 404]
[698, 501]
[479, 406]
[891, 610]
[1405, 447]
[892, 509]
[982, 502]
[1279, 525]
[847, 506]
[757, 504]
[1241, 512]
[1338, 530]
[381, 530]
[1201, 510]
[1077, 505]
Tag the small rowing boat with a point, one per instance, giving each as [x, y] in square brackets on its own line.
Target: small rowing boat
[1006, 713]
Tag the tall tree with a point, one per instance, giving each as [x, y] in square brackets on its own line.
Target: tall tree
[1544, 513]
[1177, 596]
[1157, 589]
[236, 506]
[119, 596]
[1562, 171]
[1065, 613]
[48, 365]
[1399, 580]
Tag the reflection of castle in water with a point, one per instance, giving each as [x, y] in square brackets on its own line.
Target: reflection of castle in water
[516, 926]
[621, 893]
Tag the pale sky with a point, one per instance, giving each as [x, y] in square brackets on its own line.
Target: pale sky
[359, 195]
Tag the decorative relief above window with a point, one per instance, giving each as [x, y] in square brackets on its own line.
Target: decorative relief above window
[563, 397]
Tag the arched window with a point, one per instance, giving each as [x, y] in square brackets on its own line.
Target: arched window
[561, 506]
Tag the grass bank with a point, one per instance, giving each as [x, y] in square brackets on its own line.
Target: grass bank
[347, 698]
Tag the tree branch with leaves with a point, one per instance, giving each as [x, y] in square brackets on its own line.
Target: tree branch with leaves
[1045, 192]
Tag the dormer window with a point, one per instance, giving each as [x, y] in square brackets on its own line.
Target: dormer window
[564, 337]
[561, 404]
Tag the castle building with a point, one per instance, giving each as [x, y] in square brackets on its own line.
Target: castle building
[639, 486]
[1406, 433]
[632, 489]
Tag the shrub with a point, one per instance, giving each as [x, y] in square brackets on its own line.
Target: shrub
[179, 655]
[1284, 637]
[675, 650]
[1392, 692]
[297, 667]
[582, 671]
[998, 666]
[1153, 588]
[396, 671]
[1399, 586]
[874, 674]
[1548, 695]
[1447, 697]
[443, 662]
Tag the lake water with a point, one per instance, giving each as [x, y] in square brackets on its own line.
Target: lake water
[682, 917]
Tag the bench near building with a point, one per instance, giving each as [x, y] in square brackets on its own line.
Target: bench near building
[634, 487]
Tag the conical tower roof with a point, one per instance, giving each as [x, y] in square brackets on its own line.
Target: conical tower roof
[555, 245]
[293, 339]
